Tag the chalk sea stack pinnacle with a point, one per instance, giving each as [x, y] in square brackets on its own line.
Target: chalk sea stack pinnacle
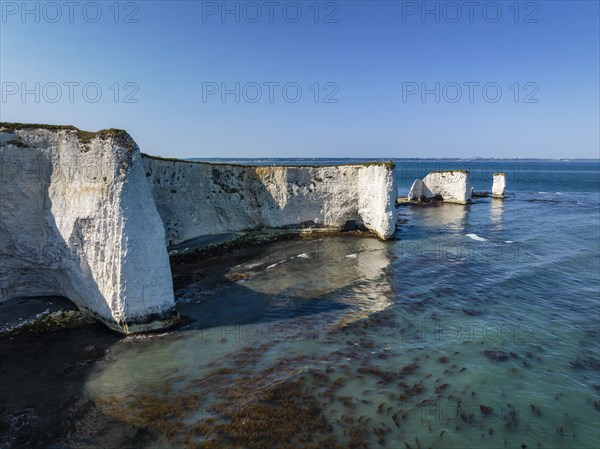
[498, 185]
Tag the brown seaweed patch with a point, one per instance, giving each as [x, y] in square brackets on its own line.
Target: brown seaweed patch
[384, 376]
[250, 415]
[284, 417]
[237, 276]
[409, 369]
[499, 356]
[511, 418]
[486, 409]
[440, 388]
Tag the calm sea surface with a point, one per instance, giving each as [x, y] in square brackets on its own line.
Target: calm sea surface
[478, 327]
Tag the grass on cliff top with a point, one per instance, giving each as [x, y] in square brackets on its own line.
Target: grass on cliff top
[84, 136]
[7, 126]
[450, 171]
[390, 165]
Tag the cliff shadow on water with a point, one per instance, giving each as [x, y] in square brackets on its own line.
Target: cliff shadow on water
[42, 382]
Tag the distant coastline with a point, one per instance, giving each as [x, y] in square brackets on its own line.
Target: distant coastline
[408, 159]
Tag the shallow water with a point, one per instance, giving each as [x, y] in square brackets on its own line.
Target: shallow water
[478, 327]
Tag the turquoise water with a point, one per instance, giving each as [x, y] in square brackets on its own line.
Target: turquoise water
[477, 327]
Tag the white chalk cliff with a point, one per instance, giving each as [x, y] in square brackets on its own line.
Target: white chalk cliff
[197, 199]
[451, 186]
[79, 215]
[77, 219]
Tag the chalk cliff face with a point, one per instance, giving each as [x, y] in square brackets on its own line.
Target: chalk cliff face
[77, 219]
[451, 186]
[499, 185]
[197, 199]
[79, 215]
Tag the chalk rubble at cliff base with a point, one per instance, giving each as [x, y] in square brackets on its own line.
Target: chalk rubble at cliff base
[86, 217]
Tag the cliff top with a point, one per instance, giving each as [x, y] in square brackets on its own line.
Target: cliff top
[449, 171]
[390, 165]
[85, 136]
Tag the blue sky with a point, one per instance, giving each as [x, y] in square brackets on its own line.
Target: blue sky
[521, 84]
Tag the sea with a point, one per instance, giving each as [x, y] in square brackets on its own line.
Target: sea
[477, 327]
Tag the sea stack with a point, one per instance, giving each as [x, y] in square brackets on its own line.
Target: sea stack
[416, 191]
[452, 186]
[499, 185]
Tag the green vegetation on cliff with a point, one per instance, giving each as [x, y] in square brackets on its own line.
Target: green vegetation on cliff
[85, 137]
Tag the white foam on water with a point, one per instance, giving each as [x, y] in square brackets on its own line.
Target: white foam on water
[476, 237]
[508, 241]
[275, 264]
[249, 266]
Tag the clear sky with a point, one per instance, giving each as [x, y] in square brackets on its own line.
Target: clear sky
[377, 78]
